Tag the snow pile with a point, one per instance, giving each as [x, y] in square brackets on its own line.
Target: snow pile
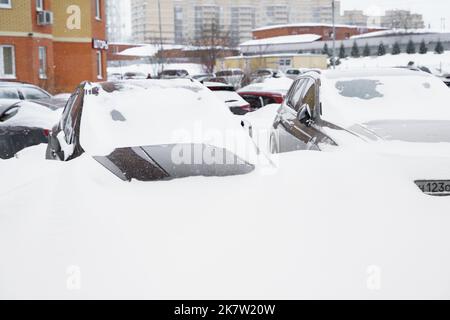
[273, 85]
[159, 112]
[324, 226]
[148, 50]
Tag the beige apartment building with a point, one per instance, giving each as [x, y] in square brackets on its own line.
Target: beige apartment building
[145, 21]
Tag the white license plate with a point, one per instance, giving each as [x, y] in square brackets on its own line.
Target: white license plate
[434, 187]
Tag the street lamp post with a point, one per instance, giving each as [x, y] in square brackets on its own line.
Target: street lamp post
[334, 34]
[161, 37]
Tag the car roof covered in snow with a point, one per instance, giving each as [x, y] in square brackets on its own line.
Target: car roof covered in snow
[156, 112]
[371, 72]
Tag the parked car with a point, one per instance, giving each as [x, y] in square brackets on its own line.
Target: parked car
[174, 74]
[232, 76]
[204, 76]
[270, 91]
[261, 74]
[22, 91]
[374, 109]
[134, 76]
[228, 94]
[24, 124]
[134, 131]
[293, 73]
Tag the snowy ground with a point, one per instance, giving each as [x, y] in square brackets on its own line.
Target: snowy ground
[437, 62]
[360, 229]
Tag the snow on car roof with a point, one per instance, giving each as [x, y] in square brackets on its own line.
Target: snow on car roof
[274, 85]
[158, 112]
[360, 96]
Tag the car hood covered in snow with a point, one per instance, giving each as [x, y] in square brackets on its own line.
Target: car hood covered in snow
[360, 229]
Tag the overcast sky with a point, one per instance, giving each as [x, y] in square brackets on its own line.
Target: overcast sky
[432, 10]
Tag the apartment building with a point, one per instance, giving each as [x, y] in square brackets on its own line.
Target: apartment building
[354, 18]
[152, 21]
[55, 44]
[192, 18]
[116, 22]
[402, 19]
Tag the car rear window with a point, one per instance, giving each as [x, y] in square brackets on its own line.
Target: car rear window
[224, 74]
[168, 162]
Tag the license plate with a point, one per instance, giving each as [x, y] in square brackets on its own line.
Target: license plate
[434, 187]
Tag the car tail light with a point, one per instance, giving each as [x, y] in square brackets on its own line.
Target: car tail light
[47, 132]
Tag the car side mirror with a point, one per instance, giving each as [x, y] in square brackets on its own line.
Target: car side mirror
[304, 115]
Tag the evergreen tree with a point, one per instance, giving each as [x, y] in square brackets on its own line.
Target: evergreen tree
[396, 49]
[423, 47]
[342, 53]
[439, 48]
[325, 50]
[355, 50]
[411, 47]
[381, 49]
[366, 52]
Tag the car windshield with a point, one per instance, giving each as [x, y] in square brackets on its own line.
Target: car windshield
[294, 72]
[263, 73]
[385, 97]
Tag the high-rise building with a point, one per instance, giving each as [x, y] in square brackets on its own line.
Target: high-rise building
[116, 22]
[153, 21]
[354, 18]
[402, 19]
[55, 44]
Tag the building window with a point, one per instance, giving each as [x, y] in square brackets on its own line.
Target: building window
[7, 62]
[98, 11]
[99, 65]
[39, 5]
[42, 62]
[5, 4]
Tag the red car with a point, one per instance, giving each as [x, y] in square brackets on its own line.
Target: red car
[271, 91]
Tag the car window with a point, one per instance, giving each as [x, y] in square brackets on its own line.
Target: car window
[238, 73]
[309, 95]
[224, 74]
[34, 94]
[70, 117]
[295, 96]
[9, 93]
[293, 72]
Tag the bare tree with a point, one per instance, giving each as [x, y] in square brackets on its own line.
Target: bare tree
[212, 41]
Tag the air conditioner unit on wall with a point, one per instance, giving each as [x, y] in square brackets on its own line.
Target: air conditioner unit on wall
[44, 18]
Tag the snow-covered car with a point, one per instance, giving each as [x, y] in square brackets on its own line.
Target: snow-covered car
[228, 94]
[261, 74]
[24, 124]
[174, 74]
[22, 91]
[383, 110]
[134, 76]
[232, 76]
[203, 76]
[269, 91]
[141, 130]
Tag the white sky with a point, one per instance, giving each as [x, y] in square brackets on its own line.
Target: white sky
[432, 10]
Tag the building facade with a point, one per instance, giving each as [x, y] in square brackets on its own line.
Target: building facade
[402, 19]
[354, 18]
[152, 21]
[190, 19]
[55, 44]
[116, 22]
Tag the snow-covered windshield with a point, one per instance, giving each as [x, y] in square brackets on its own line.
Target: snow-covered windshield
[359, 98]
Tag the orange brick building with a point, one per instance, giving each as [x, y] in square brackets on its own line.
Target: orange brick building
[55, 44]
[343, 32]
